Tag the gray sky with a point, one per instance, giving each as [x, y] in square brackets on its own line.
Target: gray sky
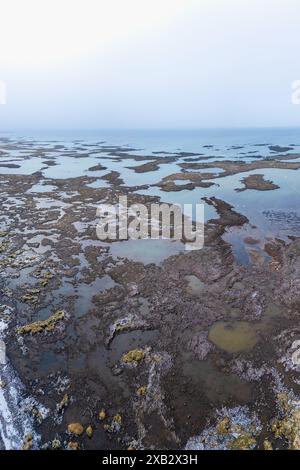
[149, 63]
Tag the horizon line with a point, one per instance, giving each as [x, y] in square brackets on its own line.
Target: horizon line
[144, 128]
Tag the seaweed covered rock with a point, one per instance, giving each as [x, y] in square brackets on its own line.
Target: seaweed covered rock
[102, 414]
[89, 431]
[76, 429]
[47, 325]
[142, 391]
[134, 356]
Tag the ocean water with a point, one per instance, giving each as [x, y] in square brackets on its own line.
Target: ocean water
[174, 140]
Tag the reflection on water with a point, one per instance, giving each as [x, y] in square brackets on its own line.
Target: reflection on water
[146, 251]
[270, 213]
[234, 337]
[66, 154]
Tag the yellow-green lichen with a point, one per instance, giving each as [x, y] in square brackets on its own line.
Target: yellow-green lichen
[63, 403]
[32, 296]
[117, 419]
[42, 325]
[267, 445]
[243, 442]
[223, 427]
[288, 427]
[73, 445]
[46, 277]
[102, 415]
[28, 442]
[76, 429]
[136, 355]
[89, 431]
[142, 391]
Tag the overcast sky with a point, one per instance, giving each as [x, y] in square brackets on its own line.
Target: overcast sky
[149, 63]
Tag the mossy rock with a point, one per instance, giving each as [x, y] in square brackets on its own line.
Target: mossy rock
[117, 419]
[142, 391]
[136, 355]
[89, 431]
[76, 429]
[42, 325]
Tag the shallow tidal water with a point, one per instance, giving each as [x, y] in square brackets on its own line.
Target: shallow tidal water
[58, 156]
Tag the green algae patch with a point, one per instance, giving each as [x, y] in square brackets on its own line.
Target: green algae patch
[43, 325]
[234, 337]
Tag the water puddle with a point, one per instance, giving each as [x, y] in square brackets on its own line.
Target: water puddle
[216, 385]
[194, 286]
[128, 341]
[99, 183]
[234, 337]
[145, 251]
[82, 293]
[42, 188]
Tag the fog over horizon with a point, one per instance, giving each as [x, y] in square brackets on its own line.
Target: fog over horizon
[149, 64]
